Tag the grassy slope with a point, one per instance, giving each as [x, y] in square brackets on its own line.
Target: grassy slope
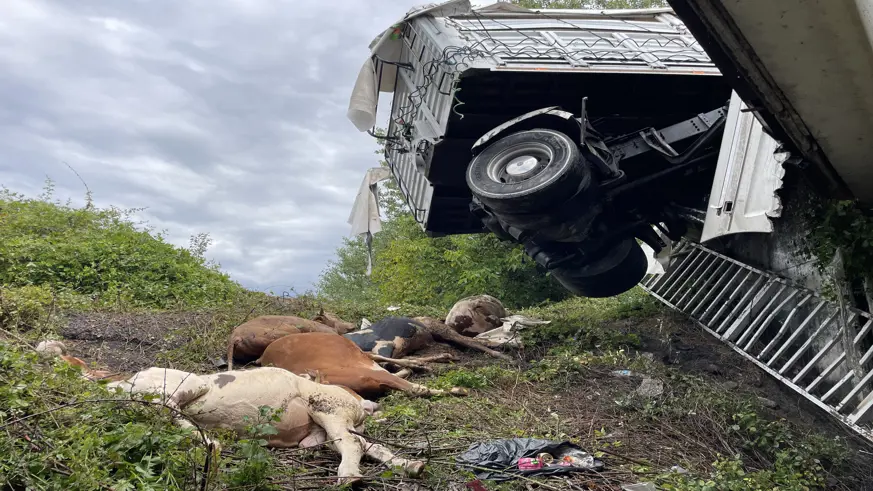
[562, 389]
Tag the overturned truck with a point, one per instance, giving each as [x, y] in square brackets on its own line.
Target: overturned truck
[684, 144]
[587, 137]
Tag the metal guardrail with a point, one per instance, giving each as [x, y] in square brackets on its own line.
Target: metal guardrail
[819, 349]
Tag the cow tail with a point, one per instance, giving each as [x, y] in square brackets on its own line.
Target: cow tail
[230, 347]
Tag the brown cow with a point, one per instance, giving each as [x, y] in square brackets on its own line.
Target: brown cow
[249, 340]
[339, 361]
[472, 316]
[332, 320]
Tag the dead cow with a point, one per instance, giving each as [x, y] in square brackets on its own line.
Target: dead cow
[312, 413]
[332, 320]
[249, 340]
[58, 349]
[339, 361]
[472, 316]
[397, 337]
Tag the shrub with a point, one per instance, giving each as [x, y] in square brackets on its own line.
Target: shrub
[101, 255]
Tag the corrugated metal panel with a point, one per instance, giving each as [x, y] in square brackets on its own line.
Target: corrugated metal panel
[743, 196]
[593, 43]
[789, 332]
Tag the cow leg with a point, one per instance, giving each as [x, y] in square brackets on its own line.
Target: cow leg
[440, 358]
[403, 373]
[337, 429]
[447, 334]
[416, 364]
[412, 468]
[393, 382]
[314, 439]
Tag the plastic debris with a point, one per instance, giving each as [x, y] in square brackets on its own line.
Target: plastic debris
[507, 334]
[500, 460]
[365, 323]
[650, 388]
[679, 470]
[392, 308]
[623, 373]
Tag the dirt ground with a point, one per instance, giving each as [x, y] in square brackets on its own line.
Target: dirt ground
[440, 429]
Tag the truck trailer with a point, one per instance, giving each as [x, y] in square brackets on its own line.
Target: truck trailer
[674, 149]
[588, 137]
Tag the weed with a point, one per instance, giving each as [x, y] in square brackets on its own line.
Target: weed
[258, 464]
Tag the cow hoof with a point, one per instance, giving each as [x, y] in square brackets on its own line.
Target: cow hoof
[415, 468]
[349, 480]
[459, 391]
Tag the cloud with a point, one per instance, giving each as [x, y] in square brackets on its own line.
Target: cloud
[225, 117]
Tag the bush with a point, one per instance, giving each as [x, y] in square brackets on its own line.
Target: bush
[61, 431]
[87, 446]
[100, 254]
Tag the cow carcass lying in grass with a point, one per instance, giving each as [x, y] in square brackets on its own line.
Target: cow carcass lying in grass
[310, 413]
[397, 337]
[249, 340]
[339, 361]
[474, 315]
[58, 349]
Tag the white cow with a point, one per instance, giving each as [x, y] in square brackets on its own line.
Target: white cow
[312, 414]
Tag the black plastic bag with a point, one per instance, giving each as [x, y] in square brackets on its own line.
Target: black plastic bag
[501, 456]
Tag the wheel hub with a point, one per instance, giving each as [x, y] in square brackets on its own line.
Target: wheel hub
[519, 162]
[520, 166]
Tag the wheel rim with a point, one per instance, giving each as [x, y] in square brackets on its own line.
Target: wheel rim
[519, 162]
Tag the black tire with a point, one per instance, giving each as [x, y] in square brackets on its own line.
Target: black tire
[528, 171]
[619, 271]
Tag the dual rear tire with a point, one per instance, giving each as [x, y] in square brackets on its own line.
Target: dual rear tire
[535, 170]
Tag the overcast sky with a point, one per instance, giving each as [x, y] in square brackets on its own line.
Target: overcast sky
[220, 116]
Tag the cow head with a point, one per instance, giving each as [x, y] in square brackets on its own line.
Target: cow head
[332, 320]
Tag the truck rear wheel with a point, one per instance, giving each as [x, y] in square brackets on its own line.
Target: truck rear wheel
[527, 171]
[617, 272]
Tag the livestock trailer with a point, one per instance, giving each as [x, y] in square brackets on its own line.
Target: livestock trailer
[585, 136]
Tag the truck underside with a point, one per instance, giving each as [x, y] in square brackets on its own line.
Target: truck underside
[618, 104]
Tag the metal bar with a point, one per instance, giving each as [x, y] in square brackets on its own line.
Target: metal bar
[693, 272]
[701, 277]
[784, 327]
[726, 291]
[866, 433]
[825, 373]
[802, 327]
[759, 316]
[864, 330]
[807, 344]
[740, 307]
[815, 359]
[749, 304]
[763, 325]
[864, 410]
[679, 257]
[866, 357]
[852, 393]
[721, 276]
[689, 261]
[837, 386]
[736, 295]
[686, 261]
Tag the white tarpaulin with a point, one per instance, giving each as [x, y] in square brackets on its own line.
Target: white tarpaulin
[364, 218]
[388, 47]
